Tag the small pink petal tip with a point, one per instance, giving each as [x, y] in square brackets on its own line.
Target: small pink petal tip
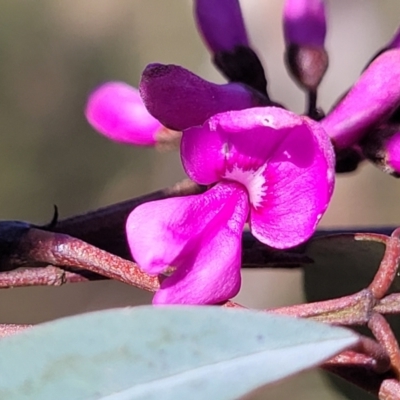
[116, 110]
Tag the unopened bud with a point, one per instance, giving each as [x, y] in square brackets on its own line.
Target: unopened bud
[304, 26]
[180, 99]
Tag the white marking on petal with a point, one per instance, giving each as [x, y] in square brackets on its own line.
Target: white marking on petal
[253, 180]
[225, 149]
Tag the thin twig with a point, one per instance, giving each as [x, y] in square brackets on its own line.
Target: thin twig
[389, 390]
[388, 267]
[389, 304]
[354, 309]
[385, 336]
[45, 276]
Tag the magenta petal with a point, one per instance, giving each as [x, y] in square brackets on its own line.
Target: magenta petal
[393, 153]
[395, 41]
[299, 178]
[116, 110]
[285, 161]
[304, 22]
[370, 101]
[244, 139]
[198, 235]
[180, 99]
[221, 24]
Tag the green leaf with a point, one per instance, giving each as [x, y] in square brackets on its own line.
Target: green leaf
[162, 353]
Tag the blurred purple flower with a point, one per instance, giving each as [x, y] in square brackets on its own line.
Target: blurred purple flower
[393, 153]
[304, 27]
[116, 110]
[304, 22]
[221, 24]
[270, 167]
[373, 98]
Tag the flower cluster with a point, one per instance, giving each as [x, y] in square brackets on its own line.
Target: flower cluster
[260, 163]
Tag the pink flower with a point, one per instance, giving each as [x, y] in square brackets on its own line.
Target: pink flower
[269, 167]
[393, 154]
[382, 147]
[116, 110]
[371, 101]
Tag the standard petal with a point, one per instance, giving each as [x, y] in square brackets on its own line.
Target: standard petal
[242, 139]
[299, 179]
[116, 110]
[200, 236]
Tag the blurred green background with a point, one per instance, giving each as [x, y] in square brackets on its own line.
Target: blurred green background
[53, 53]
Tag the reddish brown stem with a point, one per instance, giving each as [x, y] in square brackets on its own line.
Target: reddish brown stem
[349, 310]
[375, 350]
[389, 304]
[385, 336]
[388, 267]
[389, 390]
[44, 276]
[65, 251]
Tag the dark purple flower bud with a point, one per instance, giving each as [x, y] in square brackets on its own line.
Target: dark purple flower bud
[242, 65]
[222, 28]
[180, 99]
[304, 22]
[348, 159]
[304, 27]
[382, 147]
[373, 98]
[221, 24]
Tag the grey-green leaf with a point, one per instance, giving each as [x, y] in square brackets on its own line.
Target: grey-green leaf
[162, 353]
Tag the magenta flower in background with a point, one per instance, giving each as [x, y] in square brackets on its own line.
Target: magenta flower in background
[382, 147]
[270, 167]
[373, 98]
[221, 24]
[392, 158]
[116, 110]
